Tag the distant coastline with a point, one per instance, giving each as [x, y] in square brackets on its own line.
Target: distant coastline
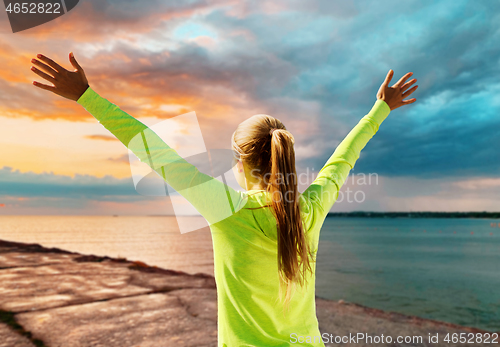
[367, 214]
[411, 214]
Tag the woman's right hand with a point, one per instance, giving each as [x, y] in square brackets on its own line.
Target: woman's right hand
[68, 84]
[394, 95]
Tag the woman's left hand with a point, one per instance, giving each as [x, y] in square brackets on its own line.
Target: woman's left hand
[69, 84]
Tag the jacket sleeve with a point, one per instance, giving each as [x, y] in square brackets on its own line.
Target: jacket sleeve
[324, 191]
[213, 199]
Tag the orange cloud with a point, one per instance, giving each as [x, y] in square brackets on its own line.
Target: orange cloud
[102, 137]
[142, 94]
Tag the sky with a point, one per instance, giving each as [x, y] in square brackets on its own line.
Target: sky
[315, 65]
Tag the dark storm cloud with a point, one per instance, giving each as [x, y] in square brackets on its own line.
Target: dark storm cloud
[452, 49]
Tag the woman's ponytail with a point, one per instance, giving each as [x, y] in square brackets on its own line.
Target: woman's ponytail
[293, 247]
[264, 145]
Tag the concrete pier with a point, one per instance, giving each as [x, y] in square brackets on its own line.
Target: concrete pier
[56, 298]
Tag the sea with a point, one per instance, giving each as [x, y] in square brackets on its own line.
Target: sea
[438, 268]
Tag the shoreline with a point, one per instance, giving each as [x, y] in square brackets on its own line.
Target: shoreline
[53, 296]
[417, 215]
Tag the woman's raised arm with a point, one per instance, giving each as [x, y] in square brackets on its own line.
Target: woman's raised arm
[213, 199]
[324, 191]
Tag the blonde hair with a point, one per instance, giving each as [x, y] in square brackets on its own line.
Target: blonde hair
[264, 145]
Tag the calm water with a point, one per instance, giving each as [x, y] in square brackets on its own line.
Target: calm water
[451, 275]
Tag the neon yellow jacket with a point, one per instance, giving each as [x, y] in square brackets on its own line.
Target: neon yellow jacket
[245, 239]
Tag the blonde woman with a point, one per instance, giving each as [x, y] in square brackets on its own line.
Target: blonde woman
[265, 238]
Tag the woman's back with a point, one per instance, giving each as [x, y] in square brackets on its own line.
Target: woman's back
[246, 271]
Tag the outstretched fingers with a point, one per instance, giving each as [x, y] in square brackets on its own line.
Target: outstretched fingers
[43, 75]
[388, 77]
[408, 92]
[51, 63]
[407, 84]
[409, 101]
[402, 80]
[44, 86]
[44, 67]
[74, 62]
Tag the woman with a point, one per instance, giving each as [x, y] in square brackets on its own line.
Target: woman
[265, 239]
